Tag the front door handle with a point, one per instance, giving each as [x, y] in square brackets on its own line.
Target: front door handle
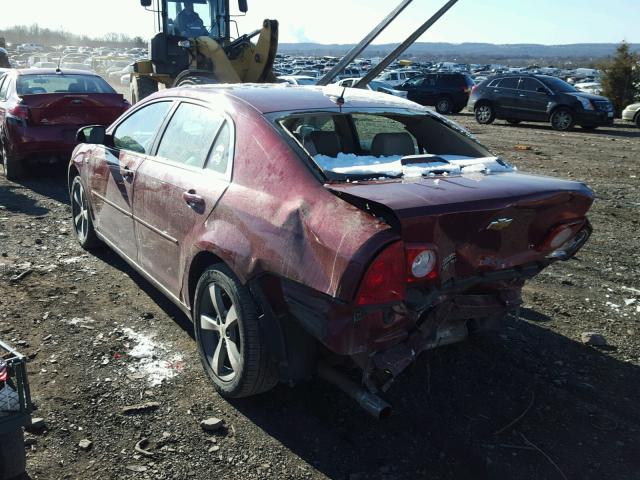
[522, 95]
[192, 199]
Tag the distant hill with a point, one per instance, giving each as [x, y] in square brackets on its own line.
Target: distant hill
[469, 52]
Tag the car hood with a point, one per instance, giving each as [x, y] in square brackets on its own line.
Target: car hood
[589, 96]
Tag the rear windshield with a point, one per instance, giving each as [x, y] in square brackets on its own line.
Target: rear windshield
[57, 83]
[373, 146]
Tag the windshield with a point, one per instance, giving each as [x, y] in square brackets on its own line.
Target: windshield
[368, 146]
[557, 85]
[57, 83]
[197, 18]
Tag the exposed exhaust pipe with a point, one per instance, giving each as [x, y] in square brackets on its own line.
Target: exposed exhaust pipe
[372, 403]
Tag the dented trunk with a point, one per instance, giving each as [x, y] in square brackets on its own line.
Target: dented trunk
[476, 222]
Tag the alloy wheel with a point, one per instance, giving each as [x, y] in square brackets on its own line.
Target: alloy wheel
[483, 113]
[562, 120]
[443, 106]
[220, 338]
[80, 211]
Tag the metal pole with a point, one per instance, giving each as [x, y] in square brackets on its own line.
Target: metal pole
[366, 41]
[375, 71]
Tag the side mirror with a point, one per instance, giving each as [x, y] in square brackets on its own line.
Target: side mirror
[145, 3]
[242, 6]
[94, 134]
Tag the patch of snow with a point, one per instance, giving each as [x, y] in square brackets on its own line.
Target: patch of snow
[80, 320]
[154, 361]
[350, 163]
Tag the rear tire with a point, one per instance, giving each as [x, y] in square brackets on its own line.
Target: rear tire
[562, 119]
[197, 80]
[444, 105]
[638, 120]
[13, 168]
[81, 216]
[232, 346]
[485, 114]
[142, 87]
[12, 457]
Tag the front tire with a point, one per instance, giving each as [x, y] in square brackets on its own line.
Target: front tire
[485, 114]
[81, 216]
[13, 168]
[562, 119]
[444, 105]
[142, 87]
[232, 347]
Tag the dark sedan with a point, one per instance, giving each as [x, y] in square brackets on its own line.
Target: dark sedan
[309, 229]
[41, 110]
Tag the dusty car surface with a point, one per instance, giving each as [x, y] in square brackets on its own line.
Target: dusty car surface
[42, 108]
[306, 232]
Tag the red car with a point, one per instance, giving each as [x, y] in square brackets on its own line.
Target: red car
[305, 231]
[41, 110]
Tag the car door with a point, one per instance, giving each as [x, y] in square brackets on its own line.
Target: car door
[505, 95]
[112, 172]
[177, 189]
[533, 98]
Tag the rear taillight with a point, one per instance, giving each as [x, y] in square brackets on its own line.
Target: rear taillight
[385, 280]
[19, 112]
[474, 88]
[421, 263]
[3, 371]
[559, 236]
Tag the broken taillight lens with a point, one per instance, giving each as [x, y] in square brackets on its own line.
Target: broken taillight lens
[421, 263]
[385, 280]
[560, 235]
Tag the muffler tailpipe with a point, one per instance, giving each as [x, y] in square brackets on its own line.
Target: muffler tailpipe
[372, 403]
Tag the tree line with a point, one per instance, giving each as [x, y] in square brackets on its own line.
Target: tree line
[49, 37]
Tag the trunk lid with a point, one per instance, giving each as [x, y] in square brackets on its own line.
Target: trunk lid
[477, 222]
[73, 109]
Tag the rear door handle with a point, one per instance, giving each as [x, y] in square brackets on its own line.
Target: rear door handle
[126, 173]
[192, 199]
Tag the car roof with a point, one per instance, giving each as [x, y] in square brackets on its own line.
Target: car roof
[53, 71]
[281, 97]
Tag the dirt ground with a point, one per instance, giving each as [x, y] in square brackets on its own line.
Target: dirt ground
[530, 403]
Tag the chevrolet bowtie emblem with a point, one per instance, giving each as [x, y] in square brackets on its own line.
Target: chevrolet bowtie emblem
[500, 224]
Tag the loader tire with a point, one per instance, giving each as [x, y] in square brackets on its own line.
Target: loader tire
[142, 87]
[12, 456]
[197, 80]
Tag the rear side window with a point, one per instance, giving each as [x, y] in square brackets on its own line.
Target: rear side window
[136, 133]
[221, 152]
[530, 84]
[509, 82]
[57, 83]
[190, 135]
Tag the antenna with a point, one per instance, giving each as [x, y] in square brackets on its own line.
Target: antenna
[340, 99]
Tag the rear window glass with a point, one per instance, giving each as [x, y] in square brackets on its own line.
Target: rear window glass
[451, 81]
[56, 83]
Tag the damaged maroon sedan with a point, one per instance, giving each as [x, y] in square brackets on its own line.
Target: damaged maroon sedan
[306, 230]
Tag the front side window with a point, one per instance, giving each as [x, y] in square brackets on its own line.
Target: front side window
[190, 135]
[136, 132]
[530, 84]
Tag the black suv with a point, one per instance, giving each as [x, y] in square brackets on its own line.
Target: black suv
[538, 98]
[448, 92]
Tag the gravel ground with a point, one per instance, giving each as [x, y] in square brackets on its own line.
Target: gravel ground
[533, 402]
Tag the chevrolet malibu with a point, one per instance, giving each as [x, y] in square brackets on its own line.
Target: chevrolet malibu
[41, 110]
[311, 230]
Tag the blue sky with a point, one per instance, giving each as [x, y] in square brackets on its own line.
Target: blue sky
[341, 21]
